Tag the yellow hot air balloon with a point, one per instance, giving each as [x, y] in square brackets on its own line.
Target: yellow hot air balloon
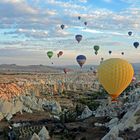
[115, 75]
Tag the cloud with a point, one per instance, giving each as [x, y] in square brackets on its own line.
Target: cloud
[35, 25]
[16, 8]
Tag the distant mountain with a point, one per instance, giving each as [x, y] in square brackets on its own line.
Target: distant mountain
[136, 67]
[51, 69]
[77, 68]
[30, 68]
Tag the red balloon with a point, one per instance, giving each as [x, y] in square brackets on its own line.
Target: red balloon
[60, 53]
[65, 70]
[133, 79]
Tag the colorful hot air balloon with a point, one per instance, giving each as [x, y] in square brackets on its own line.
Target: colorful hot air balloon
[109, 52]
[115, 75]
[81, 59]
[136, 44]
[59, 54]
[62, 26]
[129, 33]
[50, 54]
[78, 38]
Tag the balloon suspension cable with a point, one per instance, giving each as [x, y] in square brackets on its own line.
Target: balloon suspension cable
[81, 69]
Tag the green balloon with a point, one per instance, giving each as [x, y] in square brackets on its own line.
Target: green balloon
[96, 47]
[50, 54]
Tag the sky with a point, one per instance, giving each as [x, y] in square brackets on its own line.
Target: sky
[30, 28]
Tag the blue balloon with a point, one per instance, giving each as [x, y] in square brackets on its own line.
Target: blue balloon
[129, 33]
[62, 26]
[81, 59]
[136, 44]
[78, 38]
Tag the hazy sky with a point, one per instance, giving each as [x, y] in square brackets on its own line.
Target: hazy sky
[30, 28]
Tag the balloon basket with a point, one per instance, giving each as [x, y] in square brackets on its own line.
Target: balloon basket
[114, 100]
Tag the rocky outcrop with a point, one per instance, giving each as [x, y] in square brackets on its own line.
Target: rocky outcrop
[35, 137]
[44, 134]
[130, 120]
[86, 113]
[53, 106]
[112, 135]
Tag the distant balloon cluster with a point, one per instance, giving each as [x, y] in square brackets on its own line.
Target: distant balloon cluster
[81, 59]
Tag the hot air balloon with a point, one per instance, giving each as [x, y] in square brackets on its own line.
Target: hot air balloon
[85, 23]
[79, 17]
[78, 38]
[136, 44]
[91, 68]
[81, 59]
[115, 75]
[96, 47]
[62, 26]
[129, 33]
[95, 72]
[65, 70]
[59, 54]
[50, 54]
[122, 53]
[102, 59]
[109, 52]
[133, 79]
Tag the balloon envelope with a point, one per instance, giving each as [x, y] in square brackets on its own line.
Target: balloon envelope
[110, 52]
[129, 33]
[50, 54]
[79, 17]
[62, 26]
[65, 70]
[60, 53]
[96, 47]
[136, 44]
[102, 58]
[81, 59]
[78, 38]
[85, 23]
[115, 75]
